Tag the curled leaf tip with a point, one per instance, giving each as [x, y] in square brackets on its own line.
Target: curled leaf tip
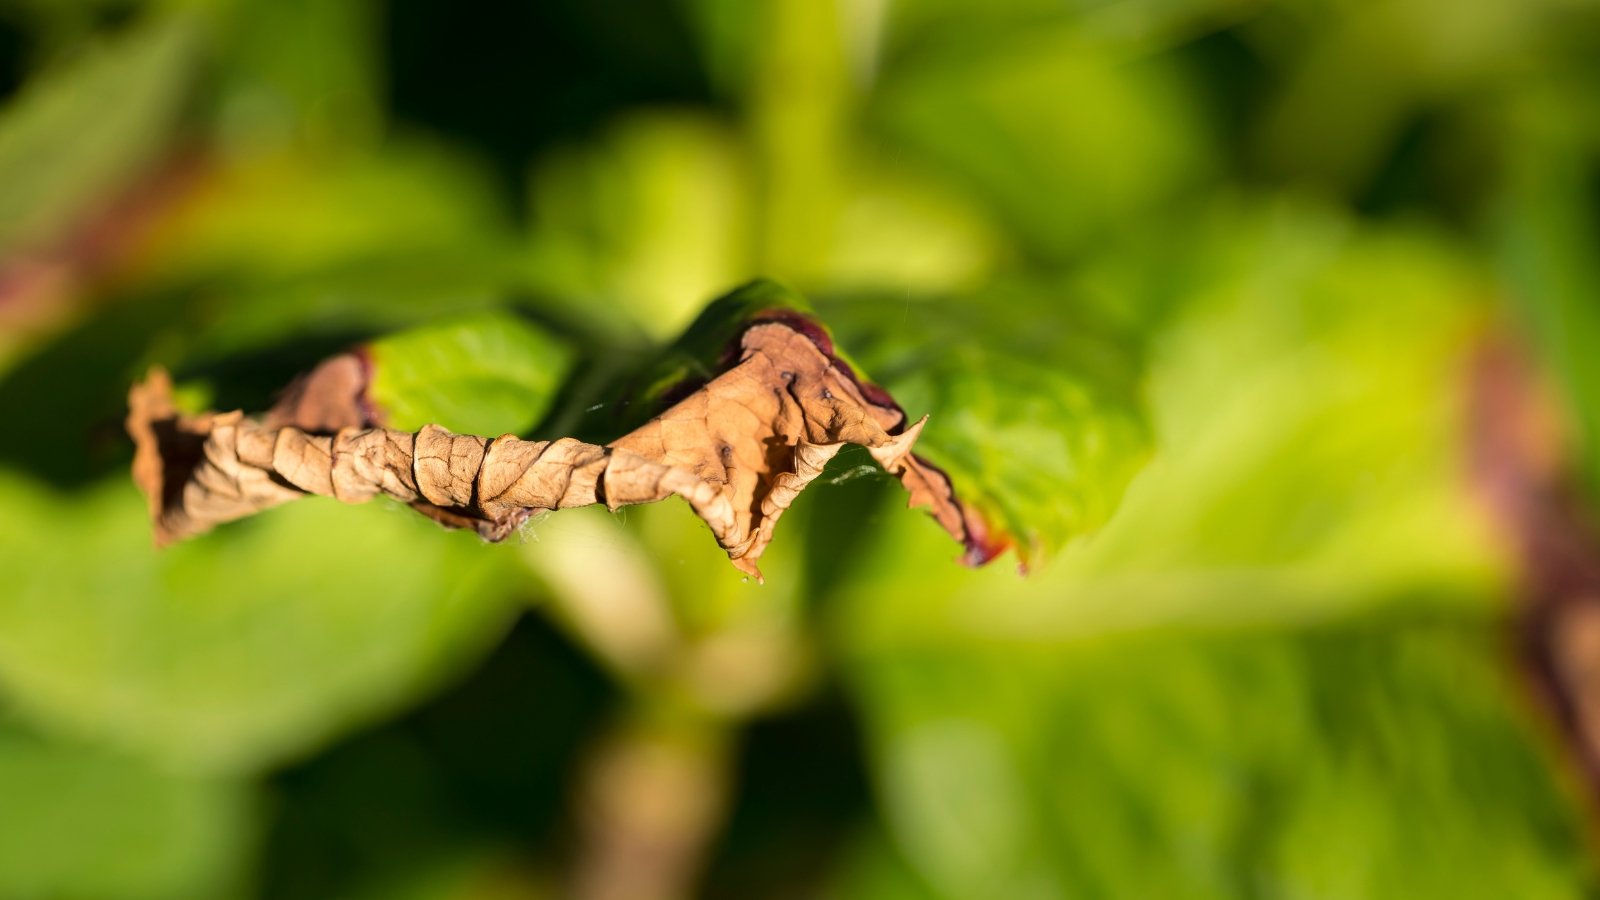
[929, 485]
[329, 397]
[738, 450]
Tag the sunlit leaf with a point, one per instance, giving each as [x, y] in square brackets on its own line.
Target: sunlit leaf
[1034, 415]
[490, 374]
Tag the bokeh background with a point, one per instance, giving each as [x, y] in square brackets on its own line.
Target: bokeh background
[1269, 328]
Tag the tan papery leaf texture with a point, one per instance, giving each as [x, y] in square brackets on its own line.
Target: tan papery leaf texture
[738, 450]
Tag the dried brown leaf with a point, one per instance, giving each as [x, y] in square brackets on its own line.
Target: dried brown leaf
[330, 397]
[738, 450]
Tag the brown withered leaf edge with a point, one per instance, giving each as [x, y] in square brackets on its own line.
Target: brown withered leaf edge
[1524, 468]
[739, 449]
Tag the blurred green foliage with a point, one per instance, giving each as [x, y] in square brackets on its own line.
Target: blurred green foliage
[1190, 290]
[152, 833]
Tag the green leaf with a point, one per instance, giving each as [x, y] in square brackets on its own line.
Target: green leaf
[1222, 766]
[1121, 724]
[77, 135]
[697, 353]
[1310, 452]
[87, 823]
[240, 649]
[489, 374]
[1307, 462]
[1034, 411]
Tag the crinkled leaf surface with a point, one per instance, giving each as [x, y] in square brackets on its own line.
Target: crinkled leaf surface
[738, 448]
[695, 355]
[1036, 417]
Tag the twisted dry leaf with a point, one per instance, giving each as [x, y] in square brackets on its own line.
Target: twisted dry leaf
[739, 450]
